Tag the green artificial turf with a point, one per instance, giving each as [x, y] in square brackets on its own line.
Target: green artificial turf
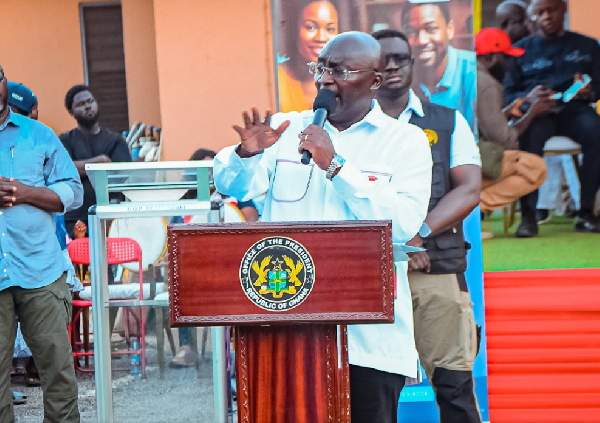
[558, 246]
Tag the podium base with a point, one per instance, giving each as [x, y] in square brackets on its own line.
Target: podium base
[292, 373]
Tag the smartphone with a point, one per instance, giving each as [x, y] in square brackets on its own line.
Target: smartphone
[575, 88]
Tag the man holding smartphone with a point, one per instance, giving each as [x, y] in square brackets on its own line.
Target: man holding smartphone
[553, 60]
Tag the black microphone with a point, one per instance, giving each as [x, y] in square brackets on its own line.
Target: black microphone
[323, 105]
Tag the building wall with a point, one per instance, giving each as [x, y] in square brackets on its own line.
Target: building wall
[41, 47]
[214, 61]
[584, 16]
[139, 41]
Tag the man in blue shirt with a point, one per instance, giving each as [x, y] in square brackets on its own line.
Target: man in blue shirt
[443, 74]
[37, 178]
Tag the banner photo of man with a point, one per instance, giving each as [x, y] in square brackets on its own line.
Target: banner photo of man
[440, 36]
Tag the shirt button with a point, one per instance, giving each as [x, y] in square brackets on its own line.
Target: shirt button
[2, 233]
[0, 212]
[454, 230]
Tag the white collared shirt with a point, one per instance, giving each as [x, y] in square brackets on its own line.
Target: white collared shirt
[387, 175]
[464, 150]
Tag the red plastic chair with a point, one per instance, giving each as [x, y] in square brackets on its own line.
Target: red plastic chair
[119, 250]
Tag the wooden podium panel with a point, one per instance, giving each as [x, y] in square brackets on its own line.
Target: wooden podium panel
[353, 273]
[292, 373]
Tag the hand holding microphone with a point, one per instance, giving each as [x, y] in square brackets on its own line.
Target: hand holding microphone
[314, 141]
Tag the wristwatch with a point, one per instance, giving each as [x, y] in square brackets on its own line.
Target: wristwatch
[425, 230]
[336, 163]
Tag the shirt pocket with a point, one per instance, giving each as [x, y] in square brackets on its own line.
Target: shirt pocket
[379, 175]
[28, 165]
[377, 178]
[291, 181]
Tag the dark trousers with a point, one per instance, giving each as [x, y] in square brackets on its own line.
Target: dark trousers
[374, 395]
[455, 396]
[44, 314]
[581, 123]
[185, 336]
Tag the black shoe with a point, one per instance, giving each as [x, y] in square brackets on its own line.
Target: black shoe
[527, 230]
[571, 211]
[587, 223]
[542, 216]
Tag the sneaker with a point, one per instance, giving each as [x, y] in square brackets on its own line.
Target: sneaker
[527, 230]
[542, 216]
[185, 357]
[587, 223]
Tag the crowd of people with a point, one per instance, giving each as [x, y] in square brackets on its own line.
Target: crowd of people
[390, 149]
[549, 60]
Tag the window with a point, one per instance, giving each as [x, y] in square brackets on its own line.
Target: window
[104, 61]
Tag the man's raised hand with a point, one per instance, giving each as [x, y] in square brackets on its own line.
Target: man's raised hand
[257, 134]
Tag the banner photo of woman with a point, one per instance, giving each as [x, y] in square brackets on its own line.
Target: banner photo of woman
[308, 27]
[440, 34]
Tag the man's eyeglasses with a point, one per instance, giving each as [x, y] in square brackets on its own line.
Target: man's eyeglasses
[401, 60]
[337, 73]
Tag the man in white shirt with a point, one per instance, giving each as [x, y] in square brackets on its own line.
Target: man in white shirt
[445, 330]
[366, 166]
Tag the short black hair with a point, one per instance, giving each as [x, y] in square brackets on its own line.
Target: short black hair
[391, 33]
[73, 91]
[444, 9]
[203, 153]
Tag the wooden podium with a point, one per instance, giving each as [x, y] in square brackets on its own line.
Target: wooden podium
[286, 287]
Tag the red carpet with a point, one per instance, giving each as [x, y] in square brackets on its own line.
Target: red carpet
[543, 332]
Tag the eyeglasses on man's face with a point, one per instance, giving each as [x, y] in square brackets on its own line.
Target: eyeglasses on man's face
[338, 73]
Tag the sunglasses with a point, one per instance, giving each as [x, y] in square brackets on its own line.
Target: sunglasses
[401, 60]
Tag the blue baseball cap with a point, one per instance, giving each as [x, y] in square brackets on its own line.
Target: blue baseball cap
[21, 97]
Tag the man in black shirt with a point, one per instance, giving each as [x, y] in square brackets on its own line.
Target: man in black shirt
[552, 60]
[89, 143]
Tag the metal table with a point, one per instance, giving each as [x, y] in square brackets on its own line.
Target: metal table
[142, 184]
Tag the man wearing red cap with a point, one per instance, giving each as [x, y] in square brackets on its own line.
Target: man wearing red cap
[514, 173]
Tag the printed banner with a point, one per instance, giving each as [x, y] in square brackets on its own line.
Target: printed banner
[440, 33]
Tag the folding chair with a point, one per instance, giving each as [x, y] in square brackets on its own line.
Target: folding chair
[119, 250]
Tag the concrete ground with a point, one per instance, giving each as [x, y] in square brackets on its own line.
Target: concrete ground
[184, 395]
